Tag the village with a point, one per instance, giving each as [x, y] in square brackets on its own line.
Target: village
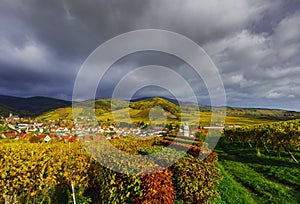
[69, 131]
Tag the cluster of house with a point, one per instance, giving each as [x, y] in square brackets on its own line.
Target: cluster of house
[20, 128]
[63, 130]
[112, 131]
[11, 118]
[40, 137]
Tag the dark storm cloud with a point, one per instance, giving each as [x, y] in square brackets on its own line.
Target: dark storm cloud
[72, 28]
[254, 43]
[19, 81]
[274, 15]
[139, 59]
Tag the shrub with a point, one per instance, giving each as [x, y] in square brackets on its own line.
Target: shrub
[131, 145]
[195, 181]
[186, 140]
[157, 188]
[113, 187]
[193, 150]
[149, 150]
[211, 158]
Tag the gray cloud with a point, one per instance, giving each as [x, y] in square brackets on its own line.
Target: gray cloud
[260, 66]
[255, 44]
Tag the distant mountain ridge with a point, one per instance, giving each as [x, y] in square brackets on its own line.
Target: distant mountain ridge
[175, 101]
[5, 111]
[32, 106]
[46, 106]
[202, 107]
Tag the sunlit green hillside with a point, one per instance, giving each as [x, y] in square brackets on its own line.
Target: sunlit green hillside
[124, 111]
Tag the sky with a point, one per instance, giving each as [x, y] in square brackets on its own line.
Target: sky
[254, 44]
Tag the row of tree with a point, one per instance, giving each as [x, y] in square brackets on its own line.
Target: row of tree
[280, 136]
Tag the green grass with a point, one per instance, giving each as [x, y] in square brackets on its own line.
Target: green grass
[231, 191]
[266, 178]
[266, 190]
[286, 175]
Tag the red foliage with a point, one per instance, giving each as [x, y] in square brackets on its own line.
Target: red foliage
[211, 158]
[157, 188]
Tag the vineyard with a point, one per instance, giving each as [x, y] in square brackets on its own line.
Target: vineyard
[255, 179]
[64, 173]
[279, 136]
[259, 163]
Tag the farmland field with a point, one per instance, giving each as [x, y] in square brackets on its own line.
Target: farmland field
[255, 162]
[56, 172]
[249, 178]
[246, 177]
